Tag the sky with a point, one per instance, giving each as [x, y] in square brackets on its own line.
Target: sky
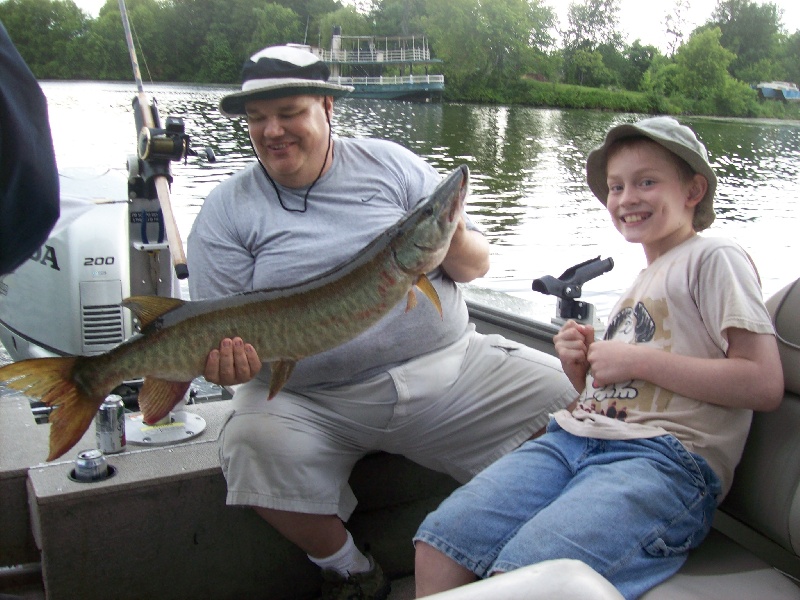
[638, 19]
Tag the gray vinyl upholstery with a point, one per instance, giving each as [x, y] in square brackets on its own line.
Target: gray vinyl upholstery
[762, 510]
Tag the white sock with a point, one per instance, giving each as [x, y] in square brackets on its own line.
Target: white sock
[348, 560]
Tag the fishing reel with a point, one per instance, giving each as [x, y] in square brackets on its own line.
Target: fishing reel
[568, 288]
[168, 144]
[157, 146]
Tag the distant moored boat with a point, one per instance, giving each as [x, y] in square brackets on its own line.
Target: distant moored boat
[362, 61]
[779, 90]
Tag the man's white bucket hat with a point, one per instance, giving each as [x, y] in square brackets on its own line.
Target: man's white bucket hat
[280, 71]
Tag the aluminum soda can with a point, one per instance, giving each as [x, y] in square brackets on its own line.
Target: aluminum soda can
[110, 425]
[90, 465]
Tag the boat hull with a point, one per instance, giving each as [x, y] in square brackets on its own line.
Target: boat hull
[784, 91]
[426, 87]
[399, 92]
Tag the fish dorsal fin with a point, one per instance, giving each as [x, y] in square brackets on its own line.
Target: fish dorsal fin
[149, 308]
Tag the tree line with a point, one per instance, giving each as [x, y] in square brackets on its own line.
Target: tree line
[491, 50]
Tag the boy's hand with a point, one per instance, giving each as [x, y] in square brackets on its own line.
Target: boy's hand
[572, 344]
[613, 361]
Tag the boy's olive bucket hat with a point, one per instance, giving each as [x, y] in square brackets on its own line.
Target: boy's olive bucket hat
[676, 138]
[280, 71]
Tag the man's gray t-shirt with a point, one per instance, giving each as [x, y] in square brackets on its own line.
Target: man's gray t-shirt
[245, 239]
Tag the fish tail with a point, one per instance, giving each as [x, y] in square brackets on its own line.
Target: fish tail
[51, 381]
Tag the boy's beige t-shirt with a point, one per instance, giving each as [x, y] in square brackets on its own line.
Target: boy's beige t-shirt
[683, 302]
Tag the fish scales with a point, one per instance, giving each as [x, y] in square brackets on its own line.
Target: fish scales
[283, 328]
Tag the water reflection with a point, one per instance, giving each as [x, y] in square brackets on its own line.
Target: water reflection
[528, 189]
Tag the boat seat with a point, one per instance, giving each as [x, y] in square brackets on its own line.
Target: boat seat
[762, 510]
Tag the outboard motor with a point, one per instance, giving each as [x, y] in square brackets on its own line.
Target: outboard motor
[109, 243]
[568, 288]
[65, 300]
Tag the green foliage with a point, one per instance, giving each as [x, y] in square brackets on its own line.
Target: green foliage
[351, 22]
[497, 51]
[485, 44]
[274, 24]
[538, 93]
[698, 82]
[736, 99]
[636, 61]
[789, 58]
[779, 110]
[399, 17]
[703, 65]
[661, 79]
[587, 68]
[217, 59]
[190, 25]
[763, 70]
[47, 34]
[592, 33]
[451, 25]
[750, 31]
[592, 23]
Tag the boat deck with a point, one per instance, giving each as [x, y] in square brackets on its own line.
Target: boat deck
[32, 588]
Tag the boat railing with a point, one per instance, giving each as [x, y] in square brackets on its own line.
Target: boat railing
[375, 55]
[390, 80]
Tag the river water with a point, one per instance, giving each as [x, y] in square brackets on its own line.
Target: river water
[528, 189]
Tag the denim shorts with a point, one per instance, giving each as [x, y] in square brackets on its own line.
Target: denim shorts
[630, 509]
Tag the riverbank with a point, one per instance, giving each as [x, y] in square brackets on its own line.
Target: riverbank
[544, 94]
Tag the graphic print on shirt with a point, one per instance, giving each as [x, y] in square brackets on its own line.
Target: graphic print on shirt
[644, 321]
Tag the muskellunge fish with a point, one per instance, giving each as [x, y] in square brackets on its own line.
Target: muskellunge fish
[283, 324]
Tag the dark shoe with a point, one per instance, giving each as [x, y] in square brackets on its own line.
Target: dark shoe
[371, 585]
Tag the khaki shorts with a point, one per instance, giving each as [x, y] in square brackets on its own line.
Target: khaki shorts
[455, 410]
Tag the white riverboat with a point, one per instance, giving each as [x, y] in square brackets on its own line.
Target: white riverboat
[362, 62]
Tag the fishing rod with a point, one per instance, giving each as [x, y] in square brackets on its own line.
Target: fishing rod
[156, 147]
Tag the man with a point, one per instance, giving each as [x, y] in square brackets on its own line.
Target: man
[418, 384]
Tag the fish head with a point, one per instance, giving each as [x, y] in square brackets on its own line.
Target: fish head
[426, 232]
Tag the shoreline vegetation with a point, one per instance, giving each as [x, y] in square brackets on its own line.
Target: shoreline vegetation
[566, 96]
[499, 52]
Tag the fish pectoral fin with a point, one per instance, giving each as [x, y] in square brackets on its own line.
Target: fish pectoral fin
[159, 396]
[149, 308]
[426, 287]
[281, 371]
[412, 300]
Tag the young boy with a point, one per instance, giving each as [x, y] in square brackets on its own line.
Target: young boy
[628, 481]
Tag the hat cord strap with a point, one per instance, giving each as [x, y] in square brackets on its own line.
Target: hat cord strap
[313, 183]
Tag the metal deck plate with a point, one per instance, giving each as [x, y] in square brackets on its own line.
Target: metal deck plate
[177, 427]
